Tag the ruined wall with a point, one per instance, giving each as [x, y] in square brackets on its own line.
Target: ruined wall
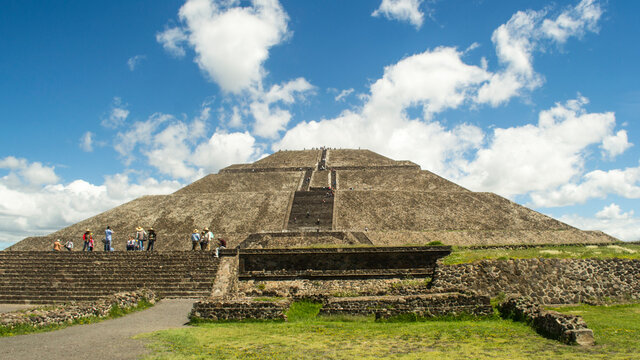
[321, 263]
[547, 281]
[427, 305]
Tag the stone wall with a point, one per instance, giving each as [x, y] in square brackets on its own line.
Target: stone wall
[426, 305]
[339, 262]
[547, 281]
[240, 309]
[570, 329]
[67, 313]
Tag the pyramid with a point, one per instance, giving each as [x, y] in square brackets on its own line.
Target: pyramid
[326, 197]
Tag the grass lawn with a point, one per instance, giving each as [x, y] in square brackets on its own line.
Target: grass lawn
[461, 255]
[617, 331]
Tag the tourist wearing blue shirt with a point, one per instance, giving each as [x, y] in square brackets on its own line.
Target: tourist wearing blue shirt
[195, 239]
[108, 235]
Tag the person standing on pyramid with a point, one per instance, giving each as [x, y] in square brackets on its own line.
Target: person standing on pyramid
[86, 237]
[141, 236]
[195, 239]
[152, 239]
[108, 236]
[206, 238]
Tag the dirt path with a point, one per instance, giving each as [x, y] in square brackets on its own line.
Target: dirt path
[110, 339]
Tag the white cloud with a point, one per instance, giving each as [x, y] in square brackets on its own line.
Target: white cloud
[611, 220]
[436, 80]
[236, 119]
[270, 119]
[231, 42]
[401, 10]
[22, 173]
[169, 151]
[36, 211]
[86, 141]
[613, 211]
[117, 115]
[343, 94]
[615, 145]
[133, 62]
[516, 41]
[139, 133]
[171, 40]
[539, 157]
[594, 184]
[573, 21]
[224, 149]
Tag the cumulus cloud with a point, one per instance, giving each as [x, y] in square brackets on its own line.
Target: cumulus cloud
[117, 115]
[172, 40]
[231, 42]
[270, 119]
[133, 62]
[224, 149]
[615, 145]
[86, 141]
[22, 173]
[29, 211]
[574, 21]
[516, 41]
[139, 133]
[401, 10]
[594, 184]
[613, 211]
[539, 157]
[612, 220]
[182, 149]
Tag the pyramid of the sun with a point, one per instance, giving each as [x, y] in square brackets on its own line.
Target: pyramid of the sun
[283, 201]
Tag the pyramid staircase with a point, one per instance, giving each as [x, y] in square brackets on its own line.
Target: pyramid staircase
[312, 208]
[47, 277]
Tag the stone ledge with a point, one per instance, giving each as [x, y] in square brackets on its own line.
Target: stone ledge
[67, 313]
[569, 329]
[429, 305]
[240, 309]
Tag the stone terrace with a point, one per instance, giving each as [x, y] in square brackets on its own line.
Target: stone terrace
[49, 277]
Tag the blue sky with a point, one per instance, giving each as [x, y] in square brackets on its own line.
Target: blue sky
[105, 101]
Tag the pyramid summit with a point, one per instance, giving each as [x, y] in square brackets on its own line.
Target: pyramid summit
[325, 197]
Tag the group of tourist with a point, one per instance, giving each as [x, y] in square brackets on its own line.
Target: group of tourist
[137, 242]
[204, 240]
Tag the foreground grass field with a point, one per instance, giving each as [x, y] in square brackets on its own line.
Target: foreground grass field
[462, 255]
[617, 330]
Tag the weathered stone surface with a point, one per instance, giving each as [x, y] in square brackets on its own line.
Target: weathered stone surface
[426, 305]
[570, 329]
[66, 313]
[547, 281]
[240, 309]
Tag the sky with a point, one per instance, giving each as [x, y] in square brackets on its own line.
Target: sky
[105, 101]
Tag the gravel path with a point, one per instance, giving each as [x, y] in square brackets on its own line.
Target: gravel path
[110, 339]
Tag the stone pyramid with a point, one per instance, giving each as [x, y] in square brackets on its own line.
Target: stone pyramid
[326, 198]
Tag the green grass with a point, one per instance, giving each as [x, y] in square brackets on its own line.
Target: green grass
[306, 336]
[461, 255]
[115, 312]
[614, 326]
